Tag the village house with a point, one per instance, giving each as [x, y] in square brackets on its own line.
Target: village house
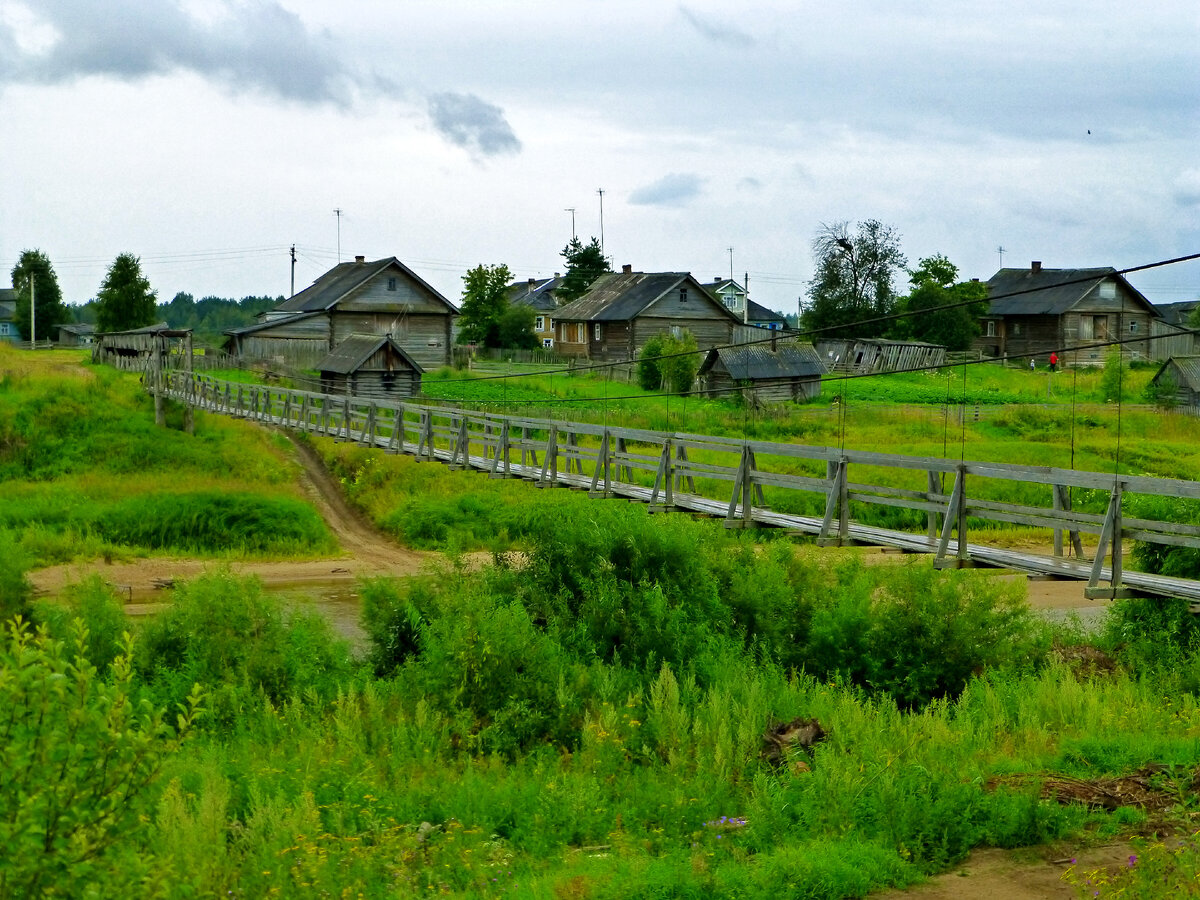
[737, 300]
[8, 315]
[538, 294]
[623, 310]
[79, 334]
[1035, 311]
[763, 373]
[381, 297]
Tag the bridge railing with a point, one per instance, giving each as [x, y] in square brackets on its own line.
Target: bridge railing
[933, 503]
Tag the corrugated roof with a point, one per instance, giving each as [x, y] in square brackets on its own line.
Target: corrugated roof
[621, 296]
[343, 278]
[1048, 291]
[350, 355]
[758, 361]
[272, 323]
[1188, 368]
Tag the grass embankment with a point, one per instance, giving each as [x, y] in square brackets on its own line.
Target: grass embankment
[84, 471]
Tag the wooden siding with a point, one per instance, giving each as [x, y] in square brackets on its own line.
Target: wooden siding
[408, 297]
[378, 385]
[762, 390]
[708, 332]
[425, 338]
[297, 353]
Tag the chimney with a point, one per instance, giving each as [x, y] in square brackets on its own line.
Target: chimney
[1035, 266]
[360, 259]
[627, 269]
[532, 282]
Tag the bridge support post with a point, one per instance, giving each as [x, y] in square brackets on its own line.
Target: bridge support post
[837, 505]
[664, 481]
[189, 411]
[1062, 503]
[1110, 538]
[500, 463]
[604, 489]
[744, 490]
[549, 473]
[156, 378]
[955, 521]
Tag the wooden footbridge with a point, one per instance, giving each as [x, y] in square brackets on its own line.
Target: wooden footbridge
[952, 506]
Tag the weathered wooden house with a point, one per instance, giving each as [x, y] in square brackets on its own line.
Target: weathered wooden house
[8, 316]
[1073, 312]
[370, 365]
[1184, 371]
[866, 356]
[623, 310]
[538, 294]
[737, 300]
[381, 297]
[763, 373]
[78, 334]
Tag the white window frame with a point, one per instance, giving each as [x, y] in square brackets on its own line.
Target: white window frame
[991, 328]
[539, 324]
[597, 331]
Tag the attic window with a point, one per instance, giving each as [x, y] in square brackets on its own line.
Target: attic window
[1108, 290]
[391, 284]
[683, 295]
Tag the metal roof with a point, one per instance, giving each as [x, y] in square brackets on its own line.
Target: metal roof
[272, 323]
[350, 355]
[536, 292]
[1188, 368]
[343, 278]
[1049, 292]
[755, 362]
[1177, 313]
[621, 296]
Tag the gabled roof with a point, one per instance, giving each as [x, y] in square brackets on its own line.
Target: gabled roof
[1049, 292]
[1188, 368]
[350, 355]
[754, 362]
[621, 296]
[78, 328]
[759, 313]
[537, 293]
[328, 290]
[1177, 313]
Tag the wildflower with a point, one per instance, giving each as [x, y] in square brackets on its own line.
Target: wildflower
[1132, 860]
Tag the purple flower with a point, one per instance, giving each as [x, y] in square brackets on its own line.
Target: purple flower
[1132, 860]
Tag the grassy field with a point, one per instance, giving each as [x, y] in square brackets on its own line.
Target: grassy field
[584, 719]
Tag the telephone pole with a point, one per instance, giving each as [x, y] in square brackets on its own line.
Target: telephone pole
[32, 325]
[600, 191]
[338, 212]
[293, 293]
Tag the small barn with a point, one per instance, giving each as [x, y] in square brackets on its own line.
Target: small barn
[1185, 372]
[135, 349]
[370, 365]
[76, 335]
[764, 374]
[869, 356]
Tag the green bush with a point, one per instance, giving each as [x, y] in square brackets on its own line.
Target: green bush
[15, 589]
[81, 758]
[207, 521]
[668, 363]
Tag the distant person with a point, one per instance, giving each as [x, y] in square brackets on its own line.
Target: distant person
[1032, 364]
[1053, 362]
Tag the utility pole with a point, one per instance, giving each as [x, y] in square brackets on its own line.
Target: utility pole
[571, 210]
[293, 293]
[32, 324]
[1000, 250]
[338, 212]
[600, 191]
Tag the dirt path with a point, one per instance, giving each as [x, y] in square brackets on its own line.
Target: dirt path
[366, 552]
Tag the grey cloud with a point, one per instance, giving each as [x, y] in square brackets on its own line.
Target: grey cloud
[675, 189]
[749, 182]
[249, 45]
[472, 123]
[717, 32]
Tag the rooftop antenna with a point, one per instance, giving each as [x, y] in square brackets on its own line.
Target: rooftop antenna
[338, 212]
[600, 191]
[1000, 250]
[571, 210]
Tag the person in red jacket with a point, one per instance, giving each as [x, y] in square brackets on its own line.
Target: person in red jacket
[1053, 361]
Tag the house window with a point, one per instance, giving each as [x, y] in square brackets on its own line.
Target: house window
[1016, 329]
[731, 301]
[683, 295]
[391, 284]
[547, 343]
[991, 328]
[1108, 290]
[597, 331]
[1133, 327]
[539, 323]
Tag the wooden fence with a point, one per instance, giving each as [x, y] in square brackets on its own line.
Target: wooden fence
[805, 489]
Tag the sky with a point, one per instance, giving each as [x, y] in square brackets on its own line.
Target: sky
[209, 136]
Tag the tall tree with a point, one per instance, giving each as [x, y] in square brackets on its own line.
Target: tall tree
[34, 273]
[125, 299]
[941, 311]
[854, 280]
[585, 263]
[484, 302]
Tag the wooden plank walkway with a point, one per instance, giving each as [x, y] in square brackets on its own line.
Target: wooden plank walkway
[731, 479]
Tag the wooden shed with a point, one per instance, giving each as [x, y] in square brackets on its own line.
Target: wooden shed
[370, 365]
[868, 356]
[135, 349]
[788, 371]
[1185, 372]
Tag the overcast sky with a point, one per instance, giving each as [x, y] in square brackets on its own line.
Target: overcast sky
[208, 136]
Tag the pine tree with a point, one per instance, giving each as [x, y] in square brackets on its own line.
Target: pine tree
[125, 299]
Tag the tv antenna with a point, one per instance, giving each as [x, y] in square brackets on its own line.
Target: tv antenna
[1000, 250]
[338, 212]
[571, 210]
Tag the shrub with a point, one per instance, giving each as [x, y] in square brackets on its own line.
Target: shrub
[1163, 393]
[81, 756]
[668, 363]
[15, 589]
